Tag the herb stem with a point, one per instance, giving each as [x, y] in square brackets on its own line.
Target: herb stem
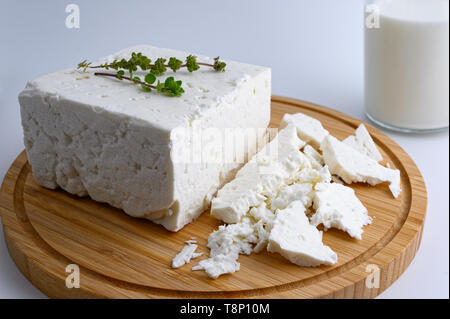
[126, 78]
[151, 65]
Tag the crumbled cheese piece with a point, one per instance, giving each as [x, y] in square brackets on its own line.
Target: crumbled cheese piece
[311, 175]
[309, 129]
[191, 241]
[314, 156]
[294, 238]
[264, 218]
[261, 177]
[322, 175]
[219, 265]
[262, 232]
[231, 238]
[363, 143]
[226, 244]
[336, 179]
[338, 207]
[185, 255]
[289, 193]
[353, 166]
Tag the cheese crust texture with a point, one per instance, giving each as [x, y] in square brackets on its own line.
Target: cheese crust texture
[110, 140]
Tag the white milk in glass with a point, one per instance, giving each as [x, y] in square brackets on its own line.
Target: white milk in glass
[407, 64]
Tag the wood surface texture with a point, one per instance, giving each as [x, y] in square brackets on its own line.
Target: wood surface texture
[123, 257]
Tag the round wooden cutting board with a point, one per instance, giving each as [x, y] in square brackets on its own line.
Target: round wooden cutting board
[122, 257]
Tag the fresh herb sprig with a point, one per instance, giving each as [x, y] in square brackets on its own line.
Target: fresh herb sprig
[158, 67]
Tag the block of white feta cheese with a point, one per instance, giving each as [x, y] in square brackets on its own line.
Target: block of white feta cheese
[353, 166]
[109, 139]
[309, 129]
[338, 207]
[363, 142]
[294, 238]
[185, 255]
[261, 177]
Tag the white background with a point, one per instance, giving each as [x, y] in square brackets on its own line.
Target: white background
[313, 47]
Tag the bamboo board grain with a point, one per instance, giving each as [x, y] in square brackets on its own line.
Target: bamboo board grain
[122, 257]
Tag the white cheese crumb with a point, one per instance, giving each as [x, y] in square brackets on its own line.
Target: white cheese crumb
[309, 129]
[311, 175]
[264, 218]
[297, 240]
[314, 156]
[338, 207]
[353, 166]
[191, 241]
[233, 238]
[219, 265]
[185, 255]
[226, 244]
[289, 193]
[336, 179]
[363, 143]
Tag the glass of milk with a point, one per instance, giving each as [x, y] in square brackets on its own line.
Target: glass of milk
[407, 64]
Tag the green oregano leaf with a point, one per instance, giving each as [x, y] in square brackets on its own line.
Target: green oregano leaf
[150, 78]
[174, 64]
[120, 73]
[159, 67]
[219, 65]
[191, 63]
